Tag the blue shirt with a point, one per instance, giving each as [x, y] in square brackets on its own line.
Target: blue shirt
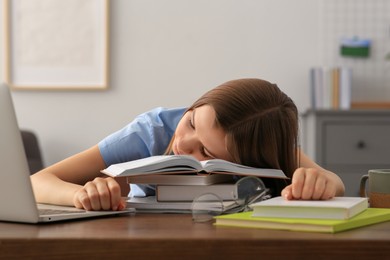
[147, 135]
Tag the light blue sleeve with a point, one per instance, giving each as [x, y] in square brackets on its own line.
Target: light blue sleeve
[147, 135]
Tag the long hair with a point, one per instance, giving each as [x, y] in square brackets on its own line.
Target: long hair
[260, 122]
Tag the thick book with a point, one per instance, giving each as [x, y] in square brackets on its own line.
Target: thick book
[335, 208]
[246, 220]
[180, 179]
[150, 204]
[184, 164]
[190, 192]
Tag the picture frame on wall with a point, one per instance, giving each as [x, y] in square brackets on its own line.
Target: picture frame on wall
[56, 44]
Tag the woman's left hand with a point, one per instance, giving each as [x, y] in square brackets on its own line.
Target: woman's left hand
[310, 184]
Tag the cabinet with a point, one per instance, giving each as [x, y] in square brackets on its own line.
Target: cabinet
[347, 142]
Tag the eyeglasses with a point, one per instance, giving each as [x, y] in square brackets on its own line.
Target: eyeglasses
[247, 190]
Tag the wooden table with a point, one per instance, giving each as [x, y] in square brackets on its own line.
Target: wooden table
[175, 236]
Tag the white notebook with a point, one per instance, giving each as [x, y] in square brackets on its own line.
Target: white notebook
[336, 208]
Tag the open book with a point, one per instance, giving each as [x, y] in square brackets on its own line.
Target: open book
[183, 164]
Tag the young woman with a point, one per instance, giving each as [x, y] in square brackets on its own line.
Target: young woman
[246, 121]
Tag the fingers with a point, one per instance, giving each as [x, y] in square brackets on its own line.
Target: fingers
[287, 193]
[99, 194]
[114, 195]
[310, 184]
[81, 200]
[297, 183]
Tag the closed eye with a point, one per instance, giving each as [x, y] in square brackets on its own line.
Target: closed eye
[203, 151]
[191, 124]
[191, 121]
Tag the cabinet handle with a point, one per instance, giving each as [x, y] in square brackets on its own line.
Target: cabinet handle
[361, 145]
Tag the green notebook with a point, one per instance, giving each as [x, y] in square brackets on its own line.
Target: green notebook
[245, 219]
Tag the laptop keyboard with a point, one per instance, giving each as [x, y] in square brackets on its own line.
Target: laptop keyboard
[58, 211]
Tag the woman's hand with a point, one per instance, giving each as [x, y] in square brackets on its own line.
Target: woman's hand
[311, 184]
[99, 194]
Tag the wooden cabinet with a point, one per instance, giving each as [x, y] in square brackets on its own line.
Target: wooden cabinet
[348, 142]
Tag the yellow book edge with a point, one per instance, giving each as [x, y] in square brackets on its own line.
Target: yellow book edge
[244, 219]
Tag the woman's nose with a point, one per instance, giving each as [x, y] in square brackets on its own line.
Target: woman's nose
[188, 144]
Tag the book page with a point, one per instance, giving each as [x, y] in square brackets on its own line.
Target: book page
[222, 166]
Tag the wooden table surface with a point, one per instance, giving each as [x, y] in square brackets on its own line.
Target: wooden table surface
[176, 236]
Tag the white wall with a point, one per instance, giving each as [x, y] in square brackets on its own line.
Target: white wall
[167, 53]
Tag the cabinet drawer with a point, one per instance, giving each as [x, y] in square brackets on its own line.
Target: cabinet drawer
[356, 143]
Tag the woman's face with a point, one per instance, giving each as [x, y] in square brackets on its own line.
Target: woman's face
[198, 135]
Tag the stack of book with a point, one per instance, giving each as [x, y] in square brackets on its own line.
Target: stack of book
[176, 192]
[327, 216]
[181, 179]
[330, 88]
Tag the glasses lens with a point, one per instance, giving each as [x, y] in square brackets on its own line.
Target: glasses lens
[206, 206]
[249, 189]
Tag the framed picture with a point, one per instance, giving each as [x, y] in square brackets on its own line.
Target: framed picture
[56, 44]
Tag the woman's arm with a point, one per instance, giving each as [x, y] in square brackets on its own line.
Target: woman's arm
[311, 181]
[77, 181]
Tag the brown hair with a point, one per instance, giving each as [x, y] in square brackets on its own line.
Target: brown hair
[260, 122]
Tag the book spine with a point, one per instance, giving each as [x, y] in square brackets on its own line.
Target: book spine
[190, 192]
[345, 88]
[336, 88]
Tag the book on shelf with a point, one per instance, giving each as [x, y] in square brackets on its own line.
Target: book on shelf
[150, 204]
[336, 88]
[330, 87]
[335, 208]
[168, 164]
[345, 79]
[246, 220]
[225, 191]
[180, 179]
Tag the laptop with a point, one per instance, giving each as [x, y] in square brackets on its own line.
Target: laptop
[17, 201]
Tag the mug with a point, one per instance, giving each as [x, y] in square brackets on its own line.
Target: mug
[378, 188]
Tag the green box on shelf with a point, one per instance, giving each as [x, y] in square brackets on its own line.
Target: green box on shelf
[355, 47]
[355, 51]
